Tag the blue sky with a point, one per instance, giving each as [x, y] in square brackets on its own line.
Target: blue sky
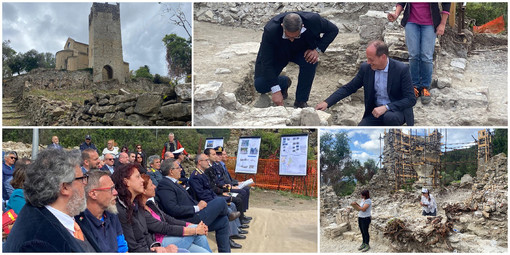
[364, 143]
[45, 27]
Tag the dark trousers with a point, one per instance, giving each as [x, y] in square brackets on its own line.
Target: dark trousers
[214, 215]
[429, 214]
[305, 78]
[389, 118]
[244, 194]
[363, 224]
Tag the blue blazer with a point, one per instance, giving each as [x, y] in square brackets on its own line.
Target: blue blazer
[175, 201]
[400, 89]
[38, 230]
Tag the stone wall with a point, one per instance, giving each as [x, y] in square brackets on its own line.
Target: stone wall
[256, 15]
[172, 108]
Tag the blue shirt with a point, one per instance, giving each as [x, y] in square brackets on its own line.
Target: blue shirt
[107, 231]
[16, 201]
[381, 86]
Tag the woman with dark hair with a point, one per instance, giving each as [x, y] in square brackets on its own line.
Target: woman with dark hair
[428, 203]
[364, 218]
[129, 184]
[168, 230]
[124, 149]
[17, 199]
[139, 160]
[138, 149]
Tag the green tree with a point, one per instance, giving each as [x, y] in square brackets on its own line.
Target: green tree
[335, 152]
[500, 141]
[178, 56]
[7, 54]
[143, 72]
[485, 12]
[16, 64]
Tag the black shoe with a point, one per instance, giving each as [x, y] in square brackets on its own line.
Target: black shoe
[248, 218]
[285, 93]
[242, 231]
[239, 236]
[235, 245]
[233, 215]
[300, 104]
[244, 226]
[244, 221]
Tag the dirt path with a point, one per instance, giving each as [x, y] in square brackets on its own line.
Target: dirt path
[281, 223]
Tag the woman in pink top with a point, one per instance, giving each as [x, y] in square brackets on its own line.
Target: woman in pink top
[168, 230]
[422, 21]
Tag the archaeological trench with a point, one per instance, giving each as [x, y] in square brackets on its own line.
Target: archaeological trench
[469, 86]
[472, 214]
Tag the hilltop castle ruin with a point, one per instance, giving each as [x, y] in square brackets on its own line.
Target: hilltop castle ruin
[104, 52]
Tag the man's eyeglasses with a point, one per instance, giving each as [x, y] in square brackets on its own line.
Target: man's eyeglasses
[15, 158]
[84, 179]
[108, 159]
[106, 189]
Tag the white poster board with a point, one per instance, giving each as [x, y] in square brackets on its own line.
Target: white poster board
[293, 154]
[248, 155]
[213, 142]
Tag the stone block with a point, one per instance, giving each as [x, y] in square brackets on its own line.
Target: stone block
[212, 119]
[103, 102]
[209, 91]
[228, 100]
[176, 111]
[459, 63]
[148, 104]
[222, 71]
[183, 91]
[335, 230]
[309, 117]
[137, 120]
[444, 82]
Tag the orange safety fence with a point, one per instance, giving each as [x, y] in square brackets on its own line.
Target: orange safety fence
[494, 26]
[267, 177]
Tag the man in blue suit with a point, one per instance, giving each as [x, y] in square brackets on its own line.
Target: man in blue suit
[389, 93]
[178, 203]
[296, 37]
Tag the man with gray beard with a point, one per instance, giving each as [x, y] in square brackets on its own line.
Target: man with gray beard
[99, 221]
[54, 192]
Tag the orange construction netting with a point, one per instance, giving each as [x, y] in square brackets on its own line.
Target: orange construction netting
[494, 26]
[267, 177]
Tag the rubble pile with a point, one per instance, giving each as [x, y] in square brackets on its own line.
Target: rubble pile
[474, 222]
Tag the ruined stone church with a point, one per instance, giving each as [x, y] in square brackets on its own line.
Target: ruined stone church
[103, 53]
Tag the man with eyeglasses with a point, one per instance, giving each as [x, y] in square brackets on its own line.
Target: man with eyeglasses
[175, 201]
[54, 191]
[291, 37]
[109, 160]
[7, 170]
[90, 160]
[100, 221]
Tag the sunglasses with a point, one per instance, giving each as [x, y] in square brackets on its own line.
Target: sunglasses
[15, 158]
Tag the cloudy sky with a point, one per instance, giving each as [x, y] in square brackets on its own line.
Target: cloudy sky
[45, 27]
[364, 143]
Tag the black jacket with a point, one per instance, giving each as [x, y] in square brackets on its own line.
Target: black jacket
[135, 231]
[434, 10]
[175, 201]
[274, 49]
[400, 89]
[167, 226]
[38, 230]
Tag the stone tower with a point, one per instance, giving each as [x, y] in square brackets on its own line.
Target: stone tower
[105, 43]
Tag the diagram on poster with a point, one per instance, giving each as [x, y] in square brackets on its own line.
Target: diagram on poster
[293, 154]
[248, 155]
[213, 142]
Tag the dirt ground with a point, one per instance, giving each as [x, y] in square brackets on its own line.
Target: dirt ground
[477, 96]
[281, 223]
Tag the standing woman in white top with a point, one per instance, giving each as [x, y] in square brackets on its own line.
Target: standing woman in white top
[428, 203]
[111, 148]
[364, 218]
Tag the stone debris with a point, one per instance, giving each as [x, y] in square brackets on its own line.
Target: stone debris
[475, 222]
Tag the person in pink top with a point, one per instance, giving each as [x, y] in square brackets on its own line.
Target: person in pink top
[422, 22]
